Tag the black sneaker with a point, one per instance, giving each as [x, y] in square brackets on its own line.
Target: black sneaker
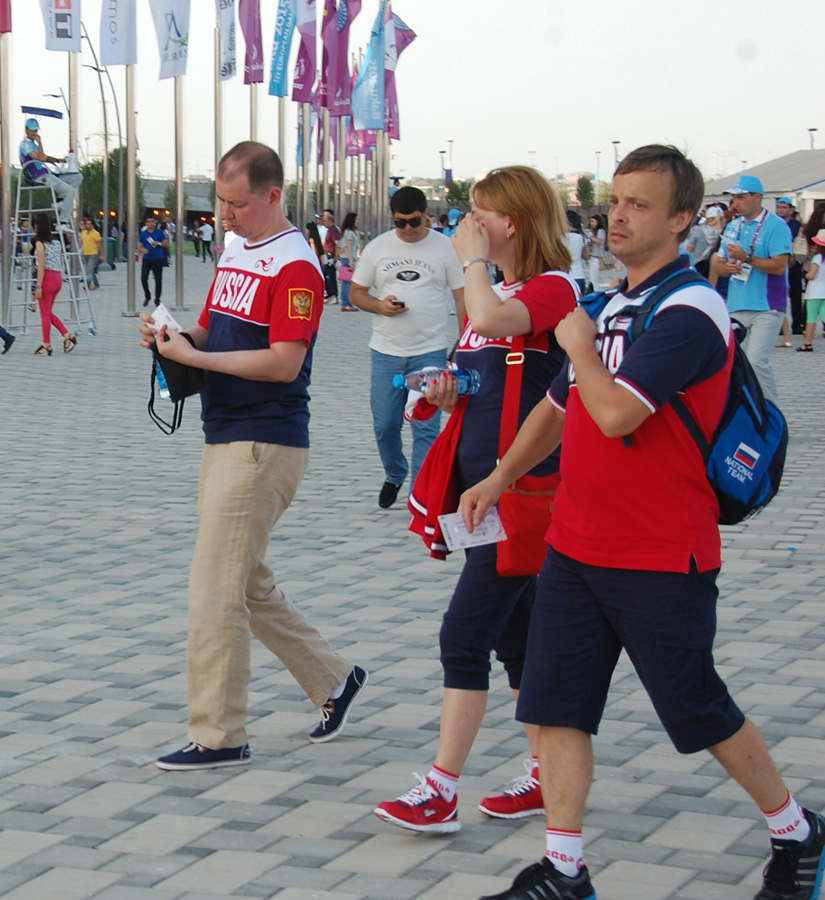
[543, 881]
[8, 342]
[194, 756]
[388, 494]
[334, 712]
[795, 869]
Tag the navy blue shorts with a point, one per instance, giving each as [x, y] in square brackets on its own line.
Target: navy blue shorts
[487, 613]
[666, 621]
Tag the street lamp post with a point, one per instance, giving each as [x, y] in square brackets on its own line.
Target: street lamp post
[616, 152]
[105, 210]
[811, 133]
[598, 166]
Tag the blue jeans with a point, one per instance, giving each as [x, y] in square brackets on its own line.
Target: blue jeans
[345, 285]
[387, 403]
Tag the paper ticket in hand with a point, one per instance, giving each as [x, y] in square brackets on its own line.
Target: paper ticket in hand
[488, 531]
[162, 316]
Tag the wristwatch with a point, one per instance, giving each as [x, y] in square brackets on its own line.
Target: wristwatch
[475, 259]
[749, 258]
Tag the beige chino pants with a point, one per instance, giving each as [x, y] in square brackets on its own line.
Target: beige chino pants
[245, 487]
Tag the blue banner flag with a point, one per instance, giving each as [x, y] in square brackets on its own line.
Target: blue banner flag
[284, 28]
[368, 93]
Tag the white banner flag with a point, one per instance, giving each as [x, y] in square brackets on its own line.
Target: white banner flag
[172, 27]
[226, 25]
[118, 33]
[62, 21]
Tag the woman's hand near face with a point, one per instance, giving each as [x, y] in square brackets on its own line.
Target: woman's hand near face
[470, 239]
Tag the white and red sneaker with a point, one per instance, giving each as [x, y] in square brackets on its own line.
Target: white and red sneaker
[520, 800]
[421, 809]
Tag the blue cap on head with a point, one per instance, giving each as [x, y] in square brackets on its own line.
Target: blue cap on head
[785, 200]
[454, 216]
[32, 124]
[747, 184]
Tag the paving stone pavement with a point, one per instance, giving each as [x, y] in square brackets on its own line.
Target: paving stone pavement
[97, 524]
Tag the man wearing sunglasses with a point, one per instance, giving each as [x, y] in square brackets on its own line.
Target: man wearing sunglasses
[404, 277]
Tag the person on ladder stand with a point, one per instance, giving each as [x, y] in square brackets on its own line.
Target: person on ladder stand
[33, 161]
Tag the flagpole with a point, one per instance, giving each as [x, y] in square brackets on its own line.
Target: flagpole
[326, 160]
[342, 162]
[131, 192]
[306, 126]
[178, 191]
[74, 62]
[253, 112]
[5, 189]
[359, 197]
[282, 129]
[219, 234]
[282, 148]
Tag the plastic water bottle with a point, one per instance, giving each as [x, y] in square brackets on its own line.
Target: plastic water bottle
[469, 381]
[163, 387]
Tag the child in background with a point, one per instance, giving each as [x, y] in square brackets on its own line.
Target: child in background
[815, 294]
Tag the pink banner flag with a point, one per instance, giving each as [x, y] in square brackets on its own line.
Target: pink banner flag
[305, 64]
[397, 36]
[249, 15]
[335, 87]
[5, 16]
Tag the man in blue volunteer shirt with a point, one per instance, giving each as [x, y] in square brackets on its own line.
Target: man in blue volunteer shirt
[151, 244]
[33, 160]
[754, 254]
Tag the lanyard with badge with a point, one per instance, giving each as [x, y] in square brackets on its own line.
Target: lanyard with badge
[744, 273]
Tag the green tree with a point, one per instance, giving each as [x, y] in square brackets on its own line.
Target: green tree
[603, 197]
[170, 197]
[92, 187]
[563, 190]
[458, 194]
[584, 191]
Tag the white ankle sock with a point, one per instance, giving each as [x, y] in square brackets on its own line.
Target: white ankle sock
[444, 782]
[564, 850]
[788, 823]
[339, 690]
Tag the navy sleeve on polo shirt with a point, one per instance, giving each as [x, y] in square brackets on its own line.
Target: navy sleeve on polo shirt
[682, 347]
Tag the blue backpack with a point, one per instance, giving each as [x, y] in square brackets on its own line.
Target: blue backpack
[745, 456]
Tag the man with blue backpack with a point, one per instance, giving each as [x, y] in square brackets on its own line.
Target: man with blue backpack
[634, 545]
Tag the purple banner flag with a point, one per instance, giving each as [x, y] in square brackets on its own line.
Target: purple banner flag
[336, 88]
[307, 53]
[397, 36]
[249, 15]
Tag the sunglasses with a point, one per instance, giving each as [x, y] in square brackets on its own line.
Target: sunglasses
[401, 224]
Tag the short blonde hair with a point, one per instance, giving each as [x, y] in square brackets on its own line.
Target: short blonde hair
[528, 198]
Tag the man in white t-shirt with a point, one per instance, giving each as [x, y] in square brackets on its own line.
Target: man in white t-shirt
[404, 277]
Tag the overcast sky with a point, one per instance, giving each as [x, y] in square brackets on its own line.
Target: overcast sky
[507, 81]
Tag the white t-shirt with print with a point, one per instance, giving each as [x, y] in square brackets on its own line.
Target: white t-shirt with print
[421, 275]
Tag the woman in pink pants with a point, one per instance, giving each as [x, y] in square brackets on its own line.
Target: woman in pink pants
[49, 281]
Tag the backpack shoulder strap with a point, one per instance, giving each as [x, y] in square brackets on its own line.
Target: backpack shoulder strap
[642, 314]
[594, 303]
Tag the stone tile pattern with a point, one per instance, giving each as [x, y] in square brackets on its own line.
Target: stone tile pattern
[97, 522]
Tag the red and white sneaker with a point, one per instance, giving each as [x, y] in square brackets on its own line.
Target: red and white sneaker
[520, 800]
[421, 809]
